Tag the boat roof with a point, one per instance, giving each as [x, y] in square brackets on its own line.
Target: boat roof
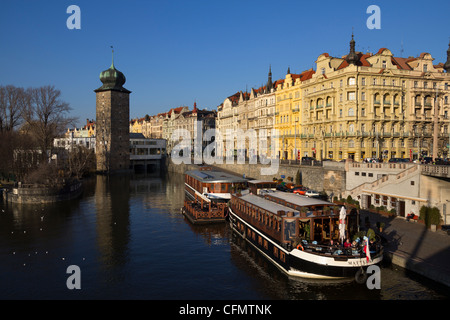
[211, 176]
[299, 200]
[266, 204]
[261, 181]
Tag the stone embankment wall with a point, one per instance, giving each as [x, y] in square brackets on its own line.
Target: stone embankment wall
[329, 178]
[41, 194]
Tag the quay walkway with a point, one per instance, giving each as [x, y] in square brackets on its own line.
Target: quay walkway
[413, 247]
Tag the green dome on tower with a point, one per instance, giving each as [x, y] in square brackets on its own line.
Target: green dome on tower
[112, 79]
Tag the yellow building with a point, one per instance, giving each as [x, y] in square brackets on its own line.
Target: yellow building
[375, 106]
[136, 125]
[288, 113]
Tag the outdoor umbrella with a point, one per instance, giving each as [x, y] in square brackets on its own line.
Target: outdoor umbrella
[342, 216]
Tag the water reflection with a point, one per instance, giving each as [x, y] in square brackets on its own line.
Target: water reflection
[112, 221]
[130, 240]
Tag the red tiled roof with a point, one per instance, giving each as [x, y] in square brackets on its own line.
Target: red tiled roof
[361, 62]
[305, 75]
[381, 50]
[402, 63]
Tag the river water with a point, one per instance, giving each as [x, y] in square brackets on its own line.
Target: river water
[130, 241]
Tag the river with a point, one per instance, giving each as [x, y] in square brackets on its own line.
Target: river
[129, 240]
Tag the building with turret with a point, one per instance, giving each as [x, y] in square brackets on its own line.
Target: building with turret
[112, 122]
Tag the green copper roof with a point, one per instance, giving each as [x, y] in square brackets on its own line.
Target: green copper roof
[112, 79]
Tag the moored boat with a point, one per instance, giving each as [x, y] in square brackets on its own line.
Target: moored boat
[304, 236]
[208, 192]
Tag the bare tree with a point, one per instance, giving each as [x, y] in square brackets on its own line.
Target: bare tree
[13, 103]
[18, 154]
[81, 160]
[46, 116]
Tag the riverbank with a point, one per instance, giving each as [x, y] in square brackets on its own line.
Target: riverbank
[415, 248]
[34, 193]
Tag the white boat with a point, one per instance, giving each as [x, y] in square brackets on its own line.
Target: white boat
[294, 233]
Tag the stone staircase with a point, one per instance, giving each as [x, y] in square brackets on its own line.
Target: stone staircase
[383, 181]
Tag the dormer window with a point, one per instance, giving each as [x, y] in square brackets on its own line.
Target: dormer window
[425, 68]
[384, 64]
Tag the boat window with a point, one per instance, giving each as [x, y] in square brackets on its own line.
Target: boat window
[289, 229]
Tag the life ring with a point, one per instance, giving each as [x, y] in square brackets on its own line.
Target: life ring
[300, 246]
[361, 276]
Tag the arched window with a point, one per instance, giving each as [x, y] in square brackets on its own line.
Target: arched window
[376, 98]
[351, 128]
[351, 143]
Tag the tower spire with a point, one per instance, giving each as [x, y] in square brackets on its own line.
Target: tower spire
[269, 80]
[447, 63]
[112, 54]
[352, 57]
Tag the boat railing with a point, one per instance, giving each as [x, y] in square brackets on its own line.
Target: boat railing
[198, 211]
[338, 250]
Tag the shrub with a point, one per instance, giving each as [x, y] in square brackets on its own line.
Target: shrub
[430, 215]
[349, 199]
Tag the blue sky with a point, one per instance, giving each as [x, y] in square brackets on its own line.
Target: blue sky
[176, 52]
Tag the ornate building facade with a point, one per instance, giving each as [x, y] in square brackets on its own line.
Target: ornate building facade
[375, 106]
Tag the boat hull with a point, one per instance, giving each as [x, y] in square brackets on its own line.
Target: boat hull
[299, 263]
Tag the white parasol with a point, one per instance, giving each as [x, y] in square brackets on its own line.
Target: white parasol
[342, 216]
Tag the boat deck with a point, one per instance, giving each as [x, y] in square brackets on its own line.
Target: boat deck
[201, 214]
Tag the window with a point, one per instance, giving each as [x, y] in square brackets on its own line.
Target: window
[363, 96]
[351, 112]
[374, 81]
[351, 128]
[425, 68]
[383, 64]
[351, 144]
[323, 70]
[351, 96]
[363, 81]
[351, 81]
